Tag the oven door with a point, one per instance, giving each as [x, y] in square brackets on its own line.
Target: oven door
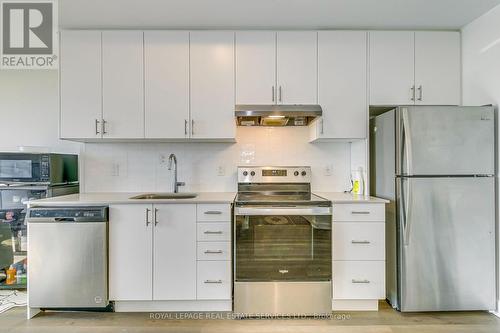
[25, 168]
[283, 243]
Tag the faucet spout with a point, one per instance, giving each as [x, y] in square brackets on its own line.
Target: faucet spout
[172, 162]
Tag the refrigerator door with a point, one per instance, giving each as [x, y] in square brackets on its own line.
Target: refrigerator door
[445, 140]
[446, 248]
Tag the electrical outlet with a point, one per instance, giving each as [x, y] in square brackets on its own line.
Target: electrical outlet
[221, 170]
[162, 159]
[115, 169]
[328, 170]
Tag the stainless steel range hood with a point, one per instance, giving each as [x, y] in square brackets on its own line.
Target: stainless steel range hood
[276, 115]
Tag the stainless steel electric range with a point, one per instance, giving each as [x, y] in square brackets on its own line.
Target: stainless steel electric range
[282, 244]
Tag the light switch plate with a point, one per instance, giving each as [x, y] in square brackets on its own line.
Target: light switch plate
[221, 170]
[328, 169]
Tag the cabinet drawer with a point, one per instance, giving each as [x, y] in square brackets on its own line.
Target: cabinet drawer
[214, 251]
[214, 280]
[358, 241]
[216, 231]
[359, 212]
[359, 279]
[214, 212]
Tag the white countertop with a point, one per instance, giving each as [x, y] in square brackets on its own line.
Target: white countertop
[342, 197]
[95, 199]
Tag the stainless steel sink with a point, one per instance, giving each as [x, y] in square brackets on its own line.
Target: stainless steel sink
[184, 195]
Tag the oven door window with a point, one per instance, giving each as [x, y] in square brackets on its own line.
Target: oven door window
[283, 248]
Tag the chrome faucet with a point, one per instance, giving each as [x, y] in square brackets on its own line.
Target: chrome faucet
[173, 160]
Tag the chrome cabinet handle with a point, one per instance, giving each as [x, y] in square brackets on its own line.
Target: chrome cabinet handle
[280, 94]
[192, 126]
[208, 232]
[272, 93]
[213, 281]
[354, 212]
[322, 126]
[213, 212]
[185, 127]
[156, 216]
[147, 216]
[97, 126]
[360, 281]
[213, 252]
[360, 242]
[412, 93]
[419, 92]
[103, 129]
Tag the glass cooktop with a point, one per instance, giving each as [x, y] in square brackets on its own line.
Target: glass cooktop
[282, 198]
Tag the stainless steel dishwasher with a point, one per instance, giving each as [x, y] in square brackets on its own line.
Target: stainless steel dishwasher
[67, 255]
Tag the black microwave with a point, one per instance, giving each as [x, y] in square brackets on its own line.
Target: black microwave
[50, 169]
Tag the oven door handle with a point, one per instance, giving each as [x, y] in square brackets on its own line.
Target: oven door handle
[290, 210]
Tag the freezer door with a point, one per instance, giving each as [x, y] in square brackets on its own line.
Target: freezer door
[445, 140]
[446, 248]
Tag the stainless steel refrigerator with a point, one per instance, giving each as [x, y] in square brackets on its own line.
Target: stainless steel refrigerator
[436, 164]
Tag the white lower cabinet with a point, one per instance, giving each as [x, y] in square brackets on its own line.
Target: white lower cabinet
[358, 253]
[359, 280]
[214, 280]
[174, 252]
[159, 253]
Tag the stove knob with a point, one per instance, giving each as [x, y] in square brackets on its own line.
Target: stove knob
[252, 173]
[296, 173]
[303, 173]
[245, 173]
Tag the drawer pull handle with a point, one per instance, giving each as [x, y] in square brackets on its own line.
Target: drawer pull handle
[213, 281]
[360, 242]
[360, 281]
[360, 213]
[208, 232]
[213, 212]
[213, 252]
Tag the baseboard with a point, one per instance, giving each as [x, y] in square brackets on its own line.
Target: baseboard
[355, 305]
[173, 306]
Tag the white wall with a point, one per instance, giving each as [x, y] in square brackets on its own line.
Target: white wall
[137, 167]
[29, 111]
[481, 66]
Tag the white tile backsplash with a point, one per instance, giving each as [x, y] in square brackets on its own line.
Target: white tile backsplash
[137, 166]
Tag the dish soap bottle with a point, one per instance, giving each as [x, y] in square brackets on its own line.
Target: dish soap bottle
[11, 275]
[358, 182]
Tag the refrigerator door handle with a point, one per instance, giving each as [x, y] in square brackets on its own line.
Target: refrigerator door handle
[406, 142]
[405, 204]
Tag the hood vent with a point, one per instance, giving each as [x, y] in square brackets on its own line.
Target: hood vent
[276, 115]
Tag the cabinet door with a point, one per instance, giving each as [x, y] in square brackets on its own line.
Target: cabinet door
[174, 252]
[212, 85]
[297, 70]
[122, 82]
[342, 84]
[437, 67]
[255, 67]
[391, 67]
[130, 253]
[166, 79]
[81, 107]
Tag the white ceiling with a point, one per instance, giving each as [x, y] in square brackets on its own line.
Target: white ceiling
[279, 14]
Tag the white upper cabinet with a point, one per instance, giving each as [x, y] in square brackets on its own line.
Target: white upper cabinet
[123, 84]
[342, 76]
[166, 79]
[81, 94]
[437, 68]
[212, 85]
[255, 67]
[174, 252]
[297, 72]
[391, 67]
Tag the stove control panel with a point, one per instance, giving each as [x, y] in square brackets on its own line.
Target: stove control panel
[271, 174]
